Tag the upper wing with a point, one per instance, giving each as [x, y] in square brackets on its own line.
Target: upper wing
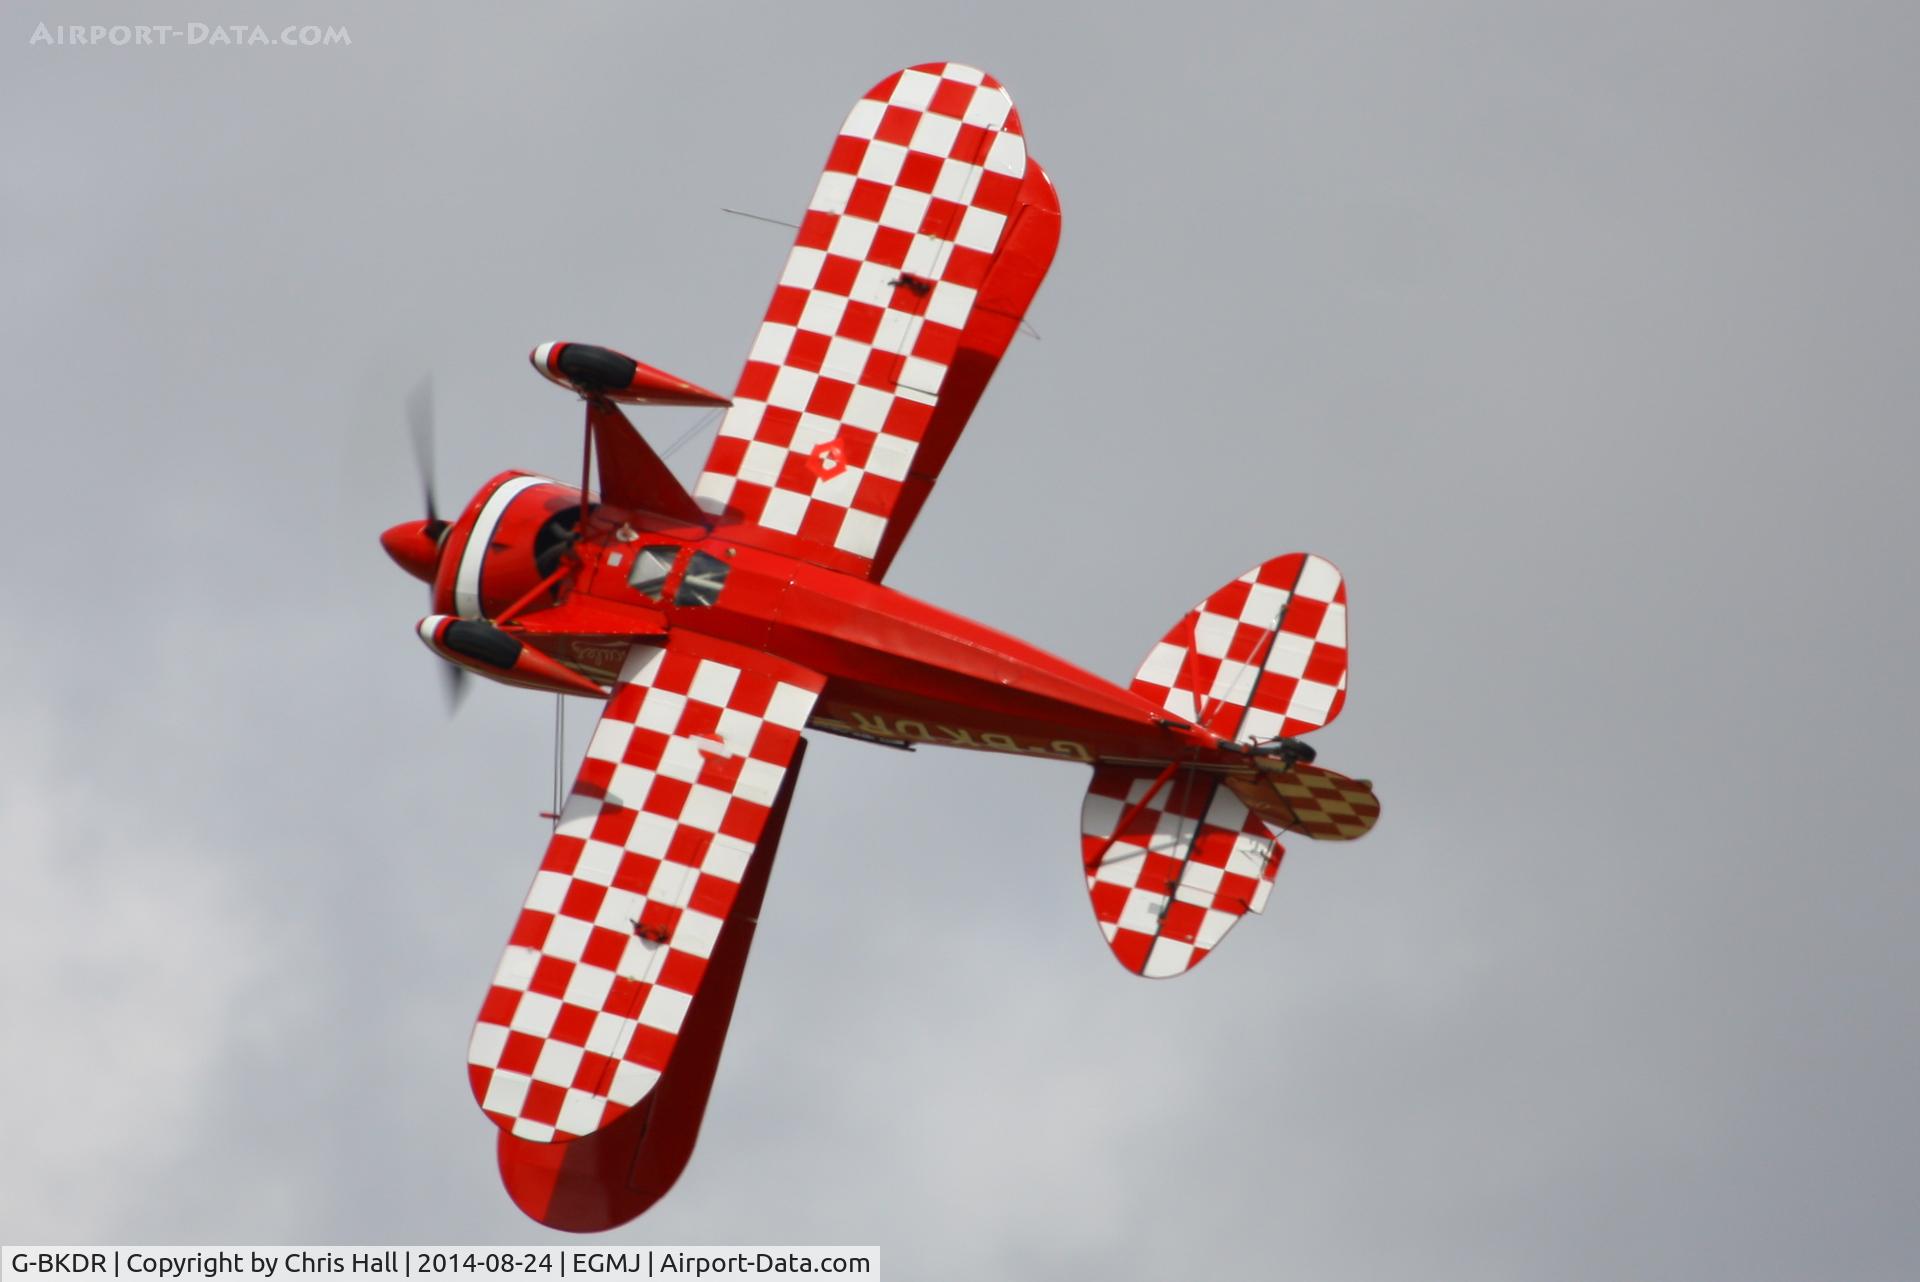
[642, 871]
[926, 239]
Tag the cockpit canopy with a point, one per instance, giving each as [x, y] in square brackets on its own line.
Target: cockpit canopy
[702, 575]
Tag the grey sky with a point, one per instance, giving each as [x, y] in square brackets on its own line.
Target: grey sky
[1580, 336]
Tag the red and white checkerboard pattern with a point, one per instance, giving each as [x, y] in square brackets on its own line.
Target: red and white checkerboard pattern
[1272, 642]
[1188, 865]
[639, 877]
[841, 381]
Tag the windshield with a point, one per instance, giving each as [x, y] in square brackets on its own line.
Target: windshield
[651, 566]
[701, 584]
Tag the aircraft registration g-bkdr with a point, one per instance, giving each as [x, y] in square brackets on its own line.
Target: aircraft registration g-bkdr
[719, 625]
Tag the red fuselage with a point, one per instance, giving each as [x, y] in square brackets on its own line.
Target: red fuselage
[898, 670]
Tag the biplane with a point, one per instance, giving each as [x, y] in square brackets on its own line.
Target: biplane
[719, 624]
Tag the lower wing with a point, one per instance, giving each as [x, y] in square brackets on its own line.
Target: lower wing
[668, 812]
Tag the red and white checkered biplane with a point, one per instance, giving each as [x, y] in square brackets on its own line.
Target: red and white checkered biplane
[719, 625]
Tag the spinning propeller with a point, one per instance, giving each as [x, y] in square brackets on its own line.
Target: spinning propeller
[415, 545]
[420, 427]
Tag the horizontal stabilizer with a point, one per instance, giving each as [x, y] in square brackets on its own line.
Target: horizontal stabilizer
[1265, 657]
[1173, 859]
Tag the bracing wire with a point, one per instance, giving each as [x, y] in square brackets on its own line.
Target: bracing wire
[700, 425]
[559, 738]
[759, 218]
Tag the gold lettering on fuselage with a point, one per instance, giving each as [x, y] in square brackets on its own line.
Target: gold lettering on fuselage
[599, 656]
[880, 727]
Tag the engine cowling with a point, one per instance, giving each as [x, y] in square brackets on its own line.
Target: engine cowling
[511, 536]
[601, 371]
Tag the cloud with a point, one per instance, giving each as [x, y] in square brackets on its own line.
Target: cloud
[136, 976]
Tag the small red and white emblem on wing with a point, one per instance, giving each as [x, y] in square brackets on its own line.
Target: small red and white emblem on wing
[829, 459]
